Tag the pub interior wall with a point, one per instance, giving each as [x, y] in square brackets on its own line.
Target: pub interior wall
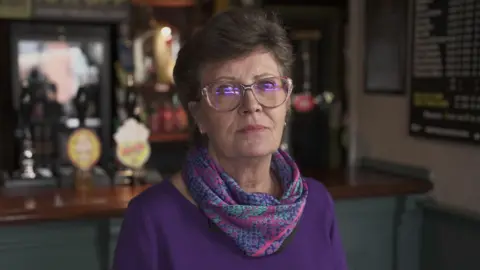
[380, 130]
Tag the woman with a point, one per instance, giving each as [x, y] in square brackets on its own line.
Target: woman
[239, 202]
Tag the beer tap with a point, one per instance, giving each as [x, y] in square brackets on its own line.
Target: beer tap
[131, 101]
[81, 103]
[25, 128]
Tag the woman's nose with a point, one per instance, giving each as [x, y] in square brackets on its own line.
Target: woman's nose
[249, 103]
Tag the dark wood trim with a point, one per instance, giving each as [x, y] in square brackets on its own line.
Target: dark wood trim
[367, 184]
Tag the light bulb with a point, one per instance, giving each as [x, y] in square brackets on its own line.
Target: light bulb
[166, 31]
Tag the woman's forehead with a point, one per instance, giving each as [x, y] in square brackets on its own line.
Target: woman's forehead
[244, 68]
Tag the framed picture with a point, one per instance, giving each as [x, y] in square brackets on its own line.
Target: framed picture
[386, 30]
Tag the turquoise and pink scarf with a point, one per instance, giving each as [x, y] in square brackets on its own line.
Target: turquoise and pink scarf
[258, 223]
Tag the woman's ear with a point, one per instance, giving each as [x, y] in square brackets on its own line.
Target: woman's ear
[194, 109]
[288, 104]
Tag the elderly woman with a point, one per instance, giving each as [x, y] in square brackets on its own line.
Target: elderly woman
[239, 202]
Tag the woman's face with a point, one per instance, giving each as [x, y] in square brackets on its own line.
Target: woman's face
[250, 130]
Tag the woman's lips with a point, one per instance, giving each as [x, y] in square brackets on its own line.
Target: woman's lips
[252, 128]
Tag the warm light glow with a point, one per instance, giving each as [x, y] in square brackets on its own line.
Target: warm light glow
[166, 31]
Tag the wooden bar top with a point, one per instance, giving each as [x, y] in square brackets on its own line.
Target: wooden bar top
[25, 206]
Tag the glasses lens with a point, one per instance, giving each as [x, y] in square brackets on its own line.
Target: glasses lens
[224, 96]
[271, 92]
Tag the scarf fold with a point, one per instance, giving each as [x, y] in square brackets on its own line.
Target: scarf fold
[258, 223]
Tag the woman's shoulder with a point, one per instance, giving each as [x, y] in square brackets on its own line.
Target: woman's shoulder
[317, 187]
[162, 196]
[318, 194]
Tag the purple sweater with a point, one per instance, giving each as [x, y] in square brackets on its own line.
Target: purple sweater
[162, 230]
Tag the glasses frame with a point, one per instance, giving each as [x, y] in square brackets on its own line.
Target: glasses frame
[244, 89]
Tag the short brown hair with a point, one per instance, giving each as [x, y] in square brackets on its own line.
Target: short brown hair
[229, 35]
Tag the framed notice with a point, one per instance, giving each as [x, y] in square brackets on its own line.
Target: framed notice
[445, 70]
[385, 46]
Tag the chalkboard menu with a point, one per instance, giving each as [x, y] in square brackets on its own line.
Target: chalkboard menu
[445, 71]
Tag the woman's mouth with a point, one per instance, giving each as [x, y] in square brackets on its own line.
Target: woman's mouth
[252, 129]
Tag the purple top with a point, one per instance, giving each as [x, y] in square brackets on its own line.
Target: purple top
[162, 230]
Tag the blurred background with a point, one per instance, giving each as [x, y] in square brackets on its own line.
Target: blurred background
[386, 114]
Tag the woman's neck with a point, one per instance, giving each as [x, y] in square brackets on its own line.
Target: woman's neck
[253, 175]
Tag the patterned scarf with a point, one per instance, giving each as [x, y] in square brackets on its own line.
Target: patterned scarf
[257, 222]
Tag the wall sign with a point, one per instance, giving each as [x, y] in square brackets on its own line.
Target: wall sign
[96, 10]
[445, 70]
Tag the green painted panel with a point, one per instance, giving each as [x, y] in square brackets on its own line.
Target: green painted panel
[50, 258]
[366, 229]
[380, 233]
[46, 234]
[50, 246]
[451, 238]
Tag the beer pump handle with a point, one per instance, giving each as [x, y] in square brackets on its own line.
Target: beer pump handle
[81, 105]
[27, 101]
[25, 111]
[131, 100]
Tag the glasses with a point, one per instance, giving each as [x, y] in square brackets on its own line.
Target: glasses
[269, 92]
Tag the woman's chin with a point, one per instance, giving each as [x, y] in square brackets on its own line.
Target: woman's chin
[255, 150]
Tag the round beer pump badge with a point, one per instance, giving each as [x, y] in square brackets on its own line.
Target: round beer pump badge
[133, 149]
[83, 148]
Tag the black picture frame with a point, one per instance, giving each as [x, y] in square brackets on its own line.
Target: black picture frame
[36, 30]
[386, 41]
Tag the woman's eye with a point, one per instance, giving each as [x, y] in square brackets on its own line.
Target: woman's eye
[227, 90]
[268, 85]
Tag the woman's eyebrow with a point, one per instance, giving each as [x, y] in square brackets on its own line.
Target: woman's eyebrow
[263, 75]
[226, 78]
[232, 78]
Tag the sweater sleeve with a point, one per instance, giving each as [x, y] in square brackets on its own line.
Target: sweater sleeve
[339, 257]
[138, 246]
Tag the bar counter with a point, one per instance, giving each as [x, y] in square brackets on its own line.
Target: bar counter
[25, 206]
